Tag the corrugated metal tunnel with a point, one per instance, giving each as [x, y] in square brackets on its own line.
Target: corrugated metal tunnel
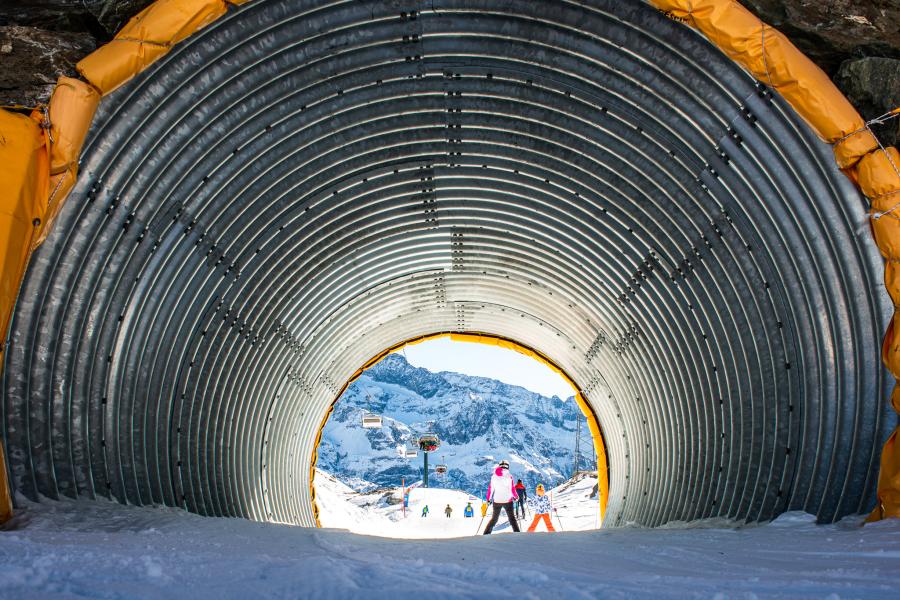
[306, 183]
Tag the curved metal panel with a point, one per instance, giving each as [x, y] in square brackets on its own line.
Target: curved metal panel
[305, 183]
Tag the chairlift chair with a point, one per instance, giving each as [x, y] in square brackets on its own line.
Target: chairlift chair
[441, 469]
[429, 442]
[371, 421]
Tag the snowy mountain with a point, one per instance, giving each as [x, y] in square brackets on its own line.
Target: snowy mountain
[480, 421]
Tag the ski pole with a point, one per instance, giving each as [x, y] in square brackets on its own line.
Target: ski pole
[553, 510]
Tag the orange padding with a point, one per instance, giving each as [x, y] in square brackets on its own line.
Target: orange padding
[147, 36]
[71, 110]
[888, 480]
[878, 178]
[24, 173]
[491, 340]
[5, 495]
[774, 60]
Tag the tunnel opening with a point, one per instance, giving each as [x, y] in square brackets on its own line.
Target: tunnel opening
[396, 390]
[299, 185]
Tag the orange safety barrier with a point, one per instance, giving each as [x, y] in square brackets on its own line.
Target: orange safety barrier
[145, 38]
[25, 173]
[880, 181]
[6, 508]
[71, 110]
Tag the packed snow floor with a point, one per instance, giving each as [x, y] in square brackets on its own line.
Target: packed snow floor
[104, 550]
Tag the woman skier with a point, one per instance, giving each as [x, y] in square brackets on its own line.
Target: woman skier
[502, 492]
[541, 508]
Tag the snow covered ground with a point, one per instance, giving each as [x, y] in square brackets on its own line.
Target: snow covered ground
[105, 550]
[381, 513]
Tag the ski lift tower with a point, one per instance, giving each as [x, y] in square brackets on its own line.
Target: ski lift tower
[577, 445]
[428, 443]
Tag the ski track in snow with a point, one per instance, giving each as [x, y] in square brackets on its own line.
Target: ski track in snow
[101, 549]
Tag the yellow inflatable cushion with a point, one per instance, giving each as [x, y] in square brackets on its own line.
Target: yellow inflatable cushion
[147, 36]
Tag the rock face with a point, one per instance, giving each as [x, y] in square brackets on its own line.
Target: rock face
[837, 30]
[33, 58]
[873, 85]
[43, 39]
[857, 42]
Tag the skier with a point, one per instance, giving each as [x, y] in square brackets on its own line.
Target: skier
[447, 511]
[502, 492]
[541, 508]
[523, 496]
[425, 511]
[469, 511]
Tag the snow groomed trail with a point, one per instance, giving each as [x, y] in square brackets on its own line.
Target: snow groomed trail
[379, 512]
[105, 550]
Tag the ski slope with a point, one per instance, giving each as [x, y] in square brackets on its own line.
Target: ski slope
[381, 513]
[84, 549]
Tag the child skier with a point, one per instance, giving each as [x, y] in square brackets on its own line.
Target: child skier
[425, 511]
[469, 511]
[502, 492]
[447, 511]
[541, 508]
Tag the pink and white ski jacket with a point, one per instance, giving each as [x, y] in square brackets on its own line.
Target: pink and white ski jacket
[502, 489]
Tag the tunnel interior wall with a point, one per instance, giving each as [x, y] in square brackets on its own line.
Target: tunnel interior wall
[303, 184]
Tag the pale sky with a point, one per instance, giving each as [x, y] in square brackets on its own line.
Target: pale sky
[472, 358]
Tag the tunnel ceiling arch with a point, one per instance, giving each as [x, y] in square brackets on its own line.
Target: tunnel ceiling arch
[303, 184]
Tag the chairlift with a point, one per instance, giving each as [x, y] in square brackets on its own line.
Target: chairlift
[429, 442]
[441, 469]
[371, 420]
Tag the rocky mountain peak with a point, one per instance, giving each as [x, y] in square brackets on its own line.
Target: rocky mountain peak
[479, 421]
